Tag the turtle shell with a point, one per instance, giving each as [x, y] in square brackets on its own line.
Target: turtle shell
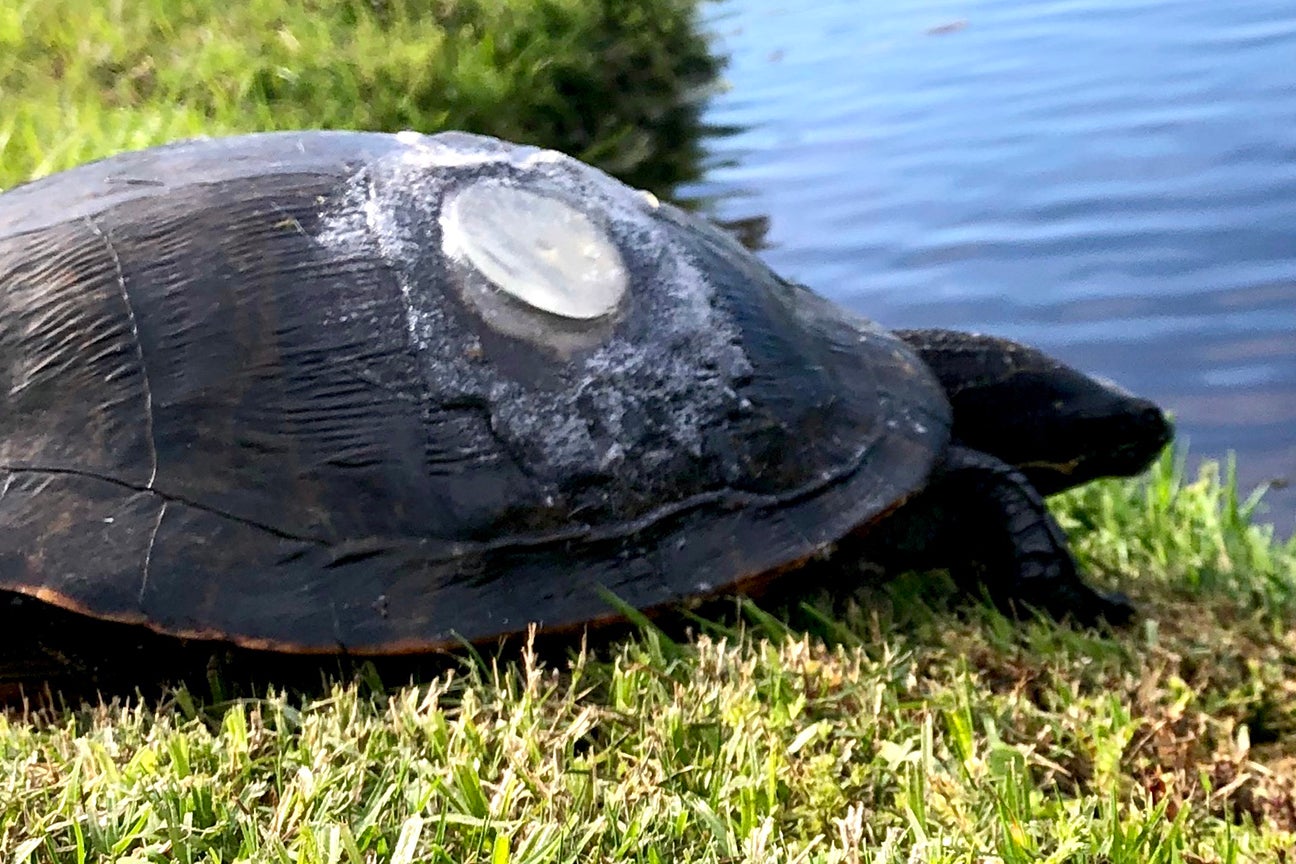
[330, 391]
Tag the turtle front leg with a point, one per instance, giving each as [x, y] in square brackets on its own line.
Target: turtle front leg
[981, 519]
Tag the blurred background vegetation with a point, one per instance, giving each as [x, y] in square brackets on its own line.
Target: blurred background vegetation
[618, 83]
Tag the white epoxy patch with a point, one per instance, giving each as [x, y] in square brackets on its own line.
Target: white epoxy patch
[535, 248]
[637, 396]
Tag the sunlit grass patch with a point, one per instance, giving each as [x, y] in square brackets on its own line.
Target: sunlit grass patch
[895, 730]
[1188, 534]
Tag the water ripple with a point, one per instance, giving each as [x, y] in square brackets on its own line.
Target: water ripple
[1112, 180]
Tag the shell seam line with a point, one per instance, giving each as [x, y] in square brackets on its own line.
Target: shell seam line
[139, 348]
[166, 498]
[726, 500]
[148, 554]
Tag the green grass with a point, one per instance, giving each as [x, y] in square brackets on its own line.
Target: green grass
[882, 727]
[892, 728]
[616, 82]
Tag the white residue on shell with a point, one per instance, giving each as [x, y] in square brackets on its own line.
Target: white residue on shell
[650, 390]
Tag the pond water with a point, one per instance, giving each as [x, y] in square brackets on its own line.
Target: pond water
[1112, 180]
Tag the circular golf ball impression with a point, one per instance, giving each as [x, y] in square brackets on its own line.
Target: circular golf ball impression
[536, 249]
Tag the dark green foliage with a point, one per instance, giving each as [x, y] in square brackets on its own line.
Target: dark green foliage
[616, 82]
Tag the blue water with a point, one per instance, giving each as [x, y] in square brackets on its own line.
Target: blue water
[1112, 180]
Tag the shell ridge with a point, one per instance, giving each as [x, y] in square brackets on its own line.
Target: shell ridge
[729, 499]
[726, 498]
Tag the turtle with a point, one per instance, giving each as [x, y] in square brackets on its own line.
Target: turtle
[335, 392]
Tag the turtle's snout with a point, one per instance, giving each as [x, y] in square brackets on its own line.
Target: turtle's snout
[1159, 429]
[1147, 432]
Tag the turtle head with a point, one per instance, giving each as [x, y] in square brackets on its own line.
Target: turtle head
[1073, 428]
[1057, 425]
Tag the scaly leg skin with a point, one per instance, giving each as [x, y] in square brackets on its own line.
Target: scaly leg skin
[983, 520]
